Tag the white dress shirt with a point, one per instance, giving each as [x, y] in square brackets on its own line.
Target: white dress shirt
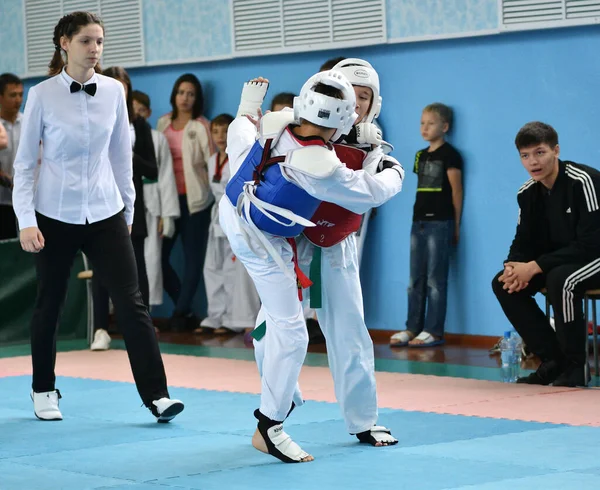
[7, 156]
[86, 172]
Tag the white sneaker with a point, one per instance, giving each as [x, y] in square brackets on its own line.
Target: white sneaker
[45, 405]
[101, 340]
[166, 409]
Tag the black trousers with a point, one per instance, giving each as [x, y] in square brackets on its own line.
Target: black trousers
[8, 222]
[100, 293]
[108, 246]
[565, 286]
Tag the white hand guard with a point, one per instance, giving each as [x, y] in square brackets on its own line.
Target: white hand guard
[168, 227]
[253, 95]
[368, 134]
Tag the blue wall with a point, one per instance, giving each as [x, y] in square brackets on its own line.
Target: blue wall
[12, 37]
[495, 85]
[177, 31]
[184, 29]
[419, 18]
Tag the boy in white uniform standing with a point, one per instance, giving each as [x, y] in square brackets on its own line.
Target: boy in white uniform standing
[161, 202]
[233, 302]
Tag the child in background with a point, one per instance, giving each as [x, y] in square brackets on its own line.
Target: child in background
[436, 225]
[233, 302]
[282, 100]
[160, 200]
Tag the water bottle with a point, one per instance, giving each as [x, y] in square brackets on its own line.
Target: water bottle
[507, 356]
[506, 352]
[518, 354]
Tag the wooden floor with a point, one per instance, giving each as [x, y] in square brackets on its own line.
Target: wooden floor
[453, 352]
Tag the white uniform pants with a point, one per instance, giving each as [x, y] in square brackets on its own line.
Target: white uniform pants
[232, 298]
[152, 253]
[349, 345]
[361, 238]
[283, 349]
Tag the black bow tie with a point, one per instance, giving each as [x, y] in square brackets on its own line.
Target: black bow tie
[89, 89]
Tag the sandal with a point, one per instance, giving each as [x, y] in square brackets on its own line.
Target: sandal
[427, 340]
[401, 339]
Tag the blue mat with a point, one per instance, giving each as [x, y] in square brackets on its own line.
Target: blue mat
[107, 441]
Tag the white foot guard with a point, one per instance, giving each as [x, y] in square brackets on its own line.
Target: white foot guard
[45, 405]
[377, 436]
[166, 409]
[278, 443]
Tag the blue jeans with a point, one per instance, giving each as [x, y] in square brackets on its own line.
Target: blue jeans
[430, 244]
[194, 236]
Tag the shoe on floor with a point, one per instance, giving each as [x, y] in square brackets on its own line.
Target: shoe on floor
[166, 409]
[574, 376]
[315, 334]
[546, 374]
[101, 340]
[45, 405]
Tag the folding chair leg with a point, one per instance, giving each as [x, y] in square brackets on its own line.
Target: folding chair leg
[595, 336]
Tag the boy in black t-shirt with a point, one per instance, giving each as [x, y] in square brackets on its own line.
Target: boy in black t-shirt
[436, 225]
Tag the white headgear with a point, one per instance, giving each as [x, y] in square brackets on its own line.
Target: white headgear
[326, 111]
[360, 72]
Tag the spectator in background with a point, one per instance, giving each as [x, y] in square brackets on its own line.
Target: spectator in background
[329, 64]
[282, 100]
[556, 246]
[188, 134]
[160, 200]
[435, 228]
[3, 137]
[11, 98]
[144, 167]
[233, 302]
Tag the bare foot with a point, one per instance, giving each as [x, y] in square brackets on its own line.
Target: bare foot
[259, 443]
[382, 444]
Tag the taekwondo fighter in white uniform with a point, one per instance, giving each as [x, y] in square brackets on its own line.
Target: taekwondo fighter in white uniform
[282, 173]
[329, 251]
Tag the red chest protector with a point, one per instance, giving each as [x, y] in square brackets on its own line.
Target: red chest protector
[333, 222]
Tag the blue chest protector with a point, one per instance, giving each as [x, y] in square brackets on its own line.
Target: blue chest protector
[271, 188]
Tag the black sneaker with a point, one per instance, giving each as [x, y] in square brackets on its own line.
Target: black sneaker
[574, 376]
[181, 322]
[546, 373]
